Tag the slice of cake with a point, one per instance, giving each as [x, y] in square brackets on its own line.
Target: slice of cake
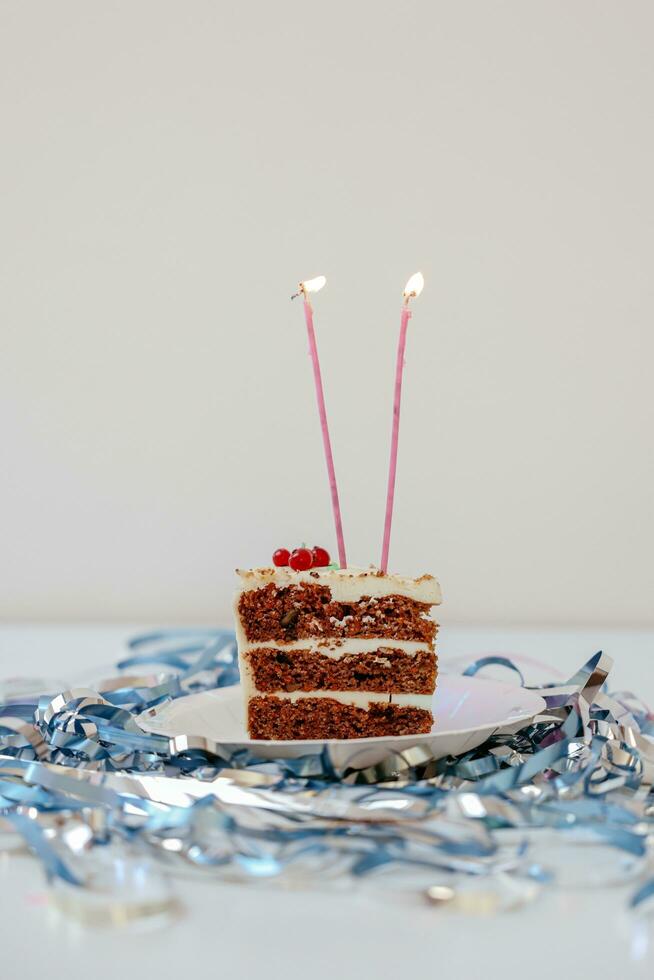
[336, 653]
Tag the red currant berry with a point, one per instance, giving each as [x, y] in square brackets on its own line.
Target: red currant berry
[320, 557]
[300, 559]
[281, 557]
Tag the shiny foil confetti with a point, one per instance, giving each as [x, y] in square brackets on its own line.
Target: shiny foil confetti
[101, 802]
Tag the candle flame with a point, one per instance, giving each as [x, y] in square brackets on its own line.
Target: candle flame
[414, 286]
[313, 285]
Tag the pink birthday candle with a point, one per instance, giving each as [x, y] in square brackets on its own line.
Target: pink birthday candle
[412, 288]
[312, 286]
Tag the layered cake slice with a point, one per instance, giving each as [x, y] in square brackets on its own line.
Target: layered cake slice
[336, 653]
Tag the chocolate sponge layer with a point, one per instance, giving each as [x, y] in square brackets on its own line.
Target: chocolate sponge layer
[297, 612]
[385, 669]
[273, 718]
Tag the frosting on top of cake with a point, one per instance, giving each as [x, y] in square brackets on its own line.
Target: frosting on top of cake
[346, 584]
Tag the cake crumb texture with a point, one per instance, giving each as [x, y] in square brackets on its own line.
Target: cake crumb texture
[307, 610]
[385, 669]
[322, 718]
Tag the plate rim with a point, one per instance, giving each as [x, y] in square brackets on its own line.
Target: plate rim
[232, 689]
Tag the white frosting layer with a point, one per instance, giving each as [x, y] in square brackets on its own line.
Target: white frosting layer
[360, 699]
[346, 584]
[335, 649]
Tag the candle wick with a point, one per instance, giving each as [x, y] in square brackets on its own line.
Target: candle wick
[301, 292]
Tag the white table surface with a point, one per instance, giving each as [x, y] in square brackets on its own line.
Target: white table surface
[235, 931]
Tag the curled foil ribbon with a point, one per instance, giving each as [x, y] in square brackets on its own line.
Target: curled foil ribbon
[75, 767]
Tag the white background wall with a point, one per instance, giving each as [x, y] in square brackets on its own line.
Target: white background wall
[169, 170]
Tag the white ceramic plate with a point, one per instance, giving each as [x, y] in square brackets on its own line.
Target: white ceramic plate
[467, 710]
